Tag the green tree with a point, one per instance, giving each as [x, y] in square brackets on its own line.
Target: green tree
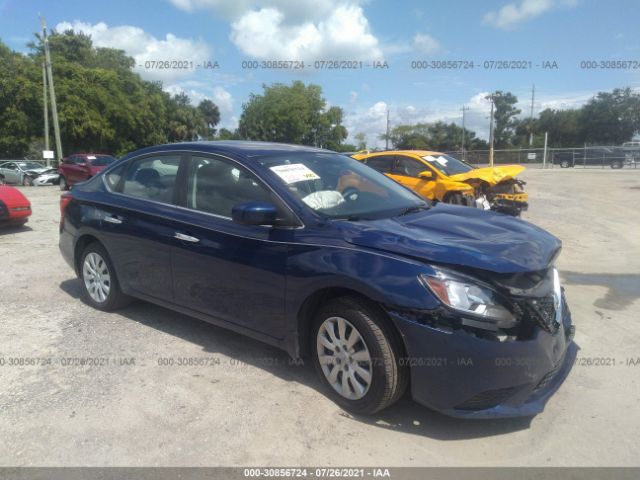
[293, 113]
[611, 118]
[505, 118]
[361, 138]
[211, 116]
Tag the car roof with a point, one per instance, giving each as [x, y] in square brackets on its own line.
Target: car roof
[420, 153]
[243, 148]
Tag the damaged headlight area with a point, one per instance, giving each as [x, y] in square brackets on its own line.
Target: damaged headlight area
[479, 305]
[499, 307]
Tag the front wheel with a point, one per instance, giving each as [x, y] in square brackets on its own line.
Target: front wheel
[357, 356]
[26, 181]
[101, 287]
[564, 164]
[616, 164]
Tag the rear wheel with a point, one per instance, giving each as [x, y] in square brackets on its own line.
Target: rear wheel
[357, 356]
[101, 287]
[564, 164]
[616, 164]
[62, 182]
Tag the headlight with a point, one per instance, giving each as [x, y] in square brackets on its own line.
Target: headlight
[481, 305]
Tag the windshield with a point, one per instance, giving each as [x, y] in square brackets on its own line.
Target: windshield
[29, 165]
[340, 187]
[101, 160]
[447, 164]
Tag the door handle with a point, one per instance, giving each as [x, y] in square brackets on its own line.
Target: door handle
[186, 238]
[112, 219]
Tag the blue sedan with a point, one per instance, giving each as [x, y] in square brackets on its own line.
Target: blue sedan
[326, 258]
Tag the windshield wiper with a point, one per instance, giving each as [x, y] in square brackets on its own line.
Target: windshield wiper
[413, 209]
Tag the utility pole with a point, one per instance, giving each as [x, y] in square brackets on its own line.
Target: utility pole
[52, 91]
[533, 96]
[491, 98]
[464, 109]
[46, 111]
[386, 143]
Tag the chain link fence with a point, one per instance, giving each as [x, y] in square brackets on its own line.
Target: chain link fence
[585, 157]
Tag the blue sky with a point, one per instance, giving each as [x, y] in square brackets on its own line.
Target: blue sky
[398, 32]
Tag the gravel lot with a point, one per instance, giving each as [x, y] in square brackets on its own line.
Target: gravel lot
[251, 406]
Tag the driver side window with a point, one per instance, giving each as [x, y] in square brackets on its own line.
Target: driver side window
[409, 167]
[215, 186]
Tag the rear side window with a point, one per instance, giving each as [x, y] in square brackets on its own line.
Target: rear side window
[381, 163]
[151, 178]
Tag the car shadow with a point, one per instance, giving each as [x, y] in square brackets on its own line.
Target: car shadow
[405, 416]
[10, 229]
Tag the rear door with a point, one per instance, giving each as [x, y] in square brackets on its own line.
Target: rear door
[137, 223]
[226, 270]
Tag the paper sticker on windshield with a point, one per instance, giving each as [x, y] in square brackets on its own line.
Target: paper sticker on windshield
[91, 157]
[293, 173]
[441, 160]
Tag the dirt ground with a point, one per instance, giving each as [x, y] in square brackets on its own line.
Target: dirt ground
[248, 405]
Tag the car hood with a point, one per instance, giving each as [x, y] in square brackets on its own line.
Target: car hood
[461, 236]
[491, 175]
[12, 197]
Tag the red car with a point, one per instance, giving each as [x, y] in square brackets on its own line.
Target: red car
[80, 167]
[15, 209]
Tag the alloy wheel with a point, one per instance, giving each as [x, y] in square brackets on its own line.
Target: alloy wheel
[95, 274]
[344, 358]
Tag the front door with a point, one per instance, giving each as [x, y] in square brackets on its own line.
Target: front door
[230, 271]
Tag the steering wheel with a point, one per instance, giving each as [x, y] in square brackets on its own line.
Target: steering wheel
[351, 194]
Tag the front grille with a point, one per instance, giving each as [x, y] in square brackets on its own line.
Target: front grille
[541, 310]
[487, 399]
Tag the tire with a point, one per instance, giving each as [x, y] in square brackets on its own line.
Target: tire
[564, 164]
[1, 180]
[616, 165]
[95, 258]
[454, 199]
[26, 181]
[387, 378]
[62, 183]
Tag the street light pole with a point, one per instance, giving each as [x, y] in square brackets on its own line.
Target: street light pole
[46, 111]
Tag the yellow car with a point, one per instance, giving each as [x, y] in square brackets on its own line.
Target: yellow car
[441, 177]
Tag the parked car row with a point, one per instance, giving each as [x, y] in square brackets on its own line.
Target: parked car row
[72, 169]
[329, 259]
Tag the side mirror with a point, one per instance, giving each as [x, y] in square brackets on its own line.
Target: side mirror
[426, 175]
[254, 213]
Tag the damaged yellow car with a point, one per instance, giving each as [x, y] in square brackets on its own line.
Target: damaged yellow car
[441, 177]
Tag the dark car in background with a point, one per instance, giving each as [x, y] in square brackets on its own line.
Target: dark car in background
[81, 166]
[379, 287]
[591, 157]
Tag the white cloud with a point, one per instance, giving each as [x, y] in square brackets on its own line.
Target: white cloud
[143, 46]
[295, 29]
[424, 43]
[513, 14]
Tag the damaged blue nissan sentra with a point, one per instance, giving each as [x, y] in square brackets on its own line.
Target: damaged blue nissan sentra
[330, 260]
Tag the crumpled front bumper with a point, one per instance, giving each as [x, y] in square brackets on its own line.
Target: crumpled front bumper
[462, 375]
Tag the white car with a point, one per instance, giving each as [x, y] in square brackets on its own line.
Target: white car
[25, 172]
